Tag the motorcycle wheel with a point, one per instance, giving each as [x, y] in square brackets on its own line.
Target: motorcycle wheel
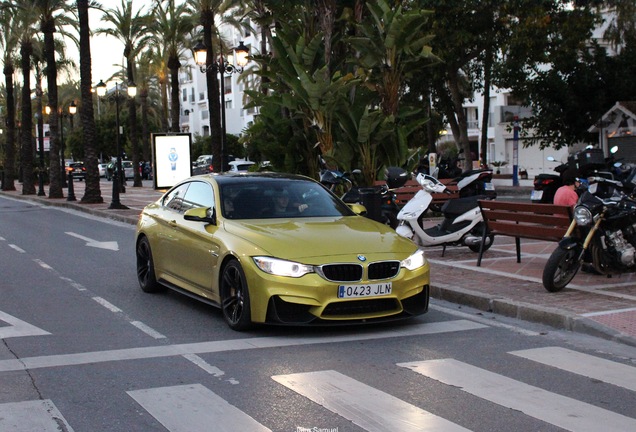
[560, 269]
[479, 231]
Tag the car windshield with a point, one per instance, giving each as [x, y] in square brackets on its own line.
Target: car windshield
[279, 198]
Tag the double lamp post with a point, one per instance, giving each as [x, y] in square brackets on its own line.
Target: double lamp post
[118, 177]
[221, 66]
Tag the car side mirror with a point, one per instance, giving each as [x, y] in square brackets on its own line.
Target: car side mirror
[200, 214]
[358, 209]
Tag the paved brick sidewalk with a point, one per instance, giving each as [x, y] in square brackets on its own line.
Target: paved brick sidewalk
[591, 304]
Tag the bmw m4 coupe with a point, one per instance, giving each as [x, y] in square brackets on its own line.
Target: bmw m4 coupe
[278, 248]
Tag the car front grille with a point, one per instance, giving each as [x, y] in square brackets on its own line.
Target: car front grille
[383, 270]
[354, 272]
[361, 307]
[341, 272]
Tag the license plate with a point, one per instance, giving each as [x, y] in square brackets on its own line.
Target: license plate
[536, 195]
[489, 186]
[371, 290]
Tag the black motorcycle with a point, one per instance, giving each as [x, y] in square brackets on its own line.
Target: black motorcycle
[380, 201]
[602, 234]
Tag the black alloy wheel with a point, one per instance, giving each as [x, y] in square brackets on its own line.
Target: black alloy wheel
[235, 299]
[560, 269]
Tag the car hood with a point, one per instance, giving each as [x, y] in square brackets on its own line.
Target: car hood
[318, 237]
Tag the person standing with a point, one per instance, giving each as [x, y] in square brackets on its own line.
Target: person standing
[566, 194]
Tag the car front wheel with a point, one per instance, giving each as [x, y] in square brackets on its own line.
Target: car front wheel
[235, 298]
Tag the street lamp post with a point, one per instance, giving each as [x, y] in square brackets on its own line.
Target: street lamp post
[222, 67]
[40, 125]
[117, 181]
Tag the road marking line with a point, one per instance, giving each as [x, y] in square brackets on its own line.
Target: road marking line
[60, 360]
[148, 330]
[586, 365]
[43, 264]
[111, 307]
[609, 312]
[76, 285]
[561, 411]
[17, 248]
[194, 408]
[18, 328]
[485, 321]
[367, 407]
[212, 370]
[29, 416]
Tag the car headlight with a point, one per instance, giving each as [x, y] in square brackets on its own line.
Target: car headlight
[279, 267]
[415, 261]
[583, 216]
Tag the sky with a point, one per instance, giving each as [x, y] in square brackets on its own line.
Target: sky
[106, 51]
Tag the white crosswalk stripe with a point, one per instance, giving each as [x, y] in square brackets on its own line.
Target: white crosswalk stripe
[365, 406]
[583, 364]
[194, 408]
[30, 416]
[558, 410]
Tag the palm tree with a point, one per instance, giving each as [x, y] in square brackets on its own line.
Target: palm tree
[93, 192]
[53, 14]
[171, 27]
[131, 28]
[8, 41]
[207, 11]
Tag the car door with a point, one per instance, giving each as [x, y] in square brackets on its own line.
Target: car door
[196, 250]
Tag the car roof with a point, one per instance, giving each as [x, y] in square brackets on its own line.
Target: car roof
[235, 177]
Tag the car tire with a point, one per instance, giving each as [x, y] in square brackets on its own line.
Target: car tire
[146, 268]
[235, 298]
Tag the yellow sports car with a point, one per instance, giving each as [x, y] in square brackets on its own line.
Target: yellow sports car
[277, 248]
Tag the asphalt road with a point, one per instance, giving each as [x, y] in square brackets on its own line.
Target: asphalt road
[84, 349]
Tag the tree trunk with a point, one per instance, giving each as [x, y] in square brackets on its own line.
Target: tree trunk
[486, 108]
[173, 66]
[92, 193]
[145, 132]
[214, 97]
[55, 184]
[26, 148]
[460, 131]
[8, 182]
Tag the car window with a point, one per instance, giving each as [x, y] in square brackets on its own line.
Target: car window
[257, 200]
[174, 198]
[199, 194]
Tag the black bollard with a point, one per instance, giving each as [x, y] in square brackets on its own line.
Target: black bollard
[71, 191]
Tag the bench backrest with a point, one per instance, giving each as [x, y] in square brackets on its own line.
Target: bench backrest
[406, 192]
[528, 220]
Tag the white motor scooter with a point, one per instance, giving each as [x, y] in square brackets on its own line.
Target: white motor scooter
[463, 224]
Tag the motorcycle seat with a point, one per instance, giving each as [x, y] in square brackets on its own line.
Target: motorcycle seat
[458, 206]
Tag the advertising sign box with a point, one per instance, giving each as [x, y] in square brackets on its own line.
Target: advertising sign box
[171, 158]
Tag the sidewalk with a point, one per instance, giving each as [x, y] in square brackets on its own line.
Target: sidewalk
[591, 304]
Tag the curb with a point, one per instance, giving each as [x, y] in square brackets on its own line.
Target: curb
[552, 317]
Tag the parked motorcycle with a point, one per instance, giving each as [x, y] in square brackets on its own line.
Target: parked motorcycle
[462, 225]
[602, 233]
[380, 201]
[586, 162]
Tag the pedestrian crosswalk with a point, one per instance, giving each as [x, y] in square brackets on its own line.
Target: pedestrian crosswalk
[195, 407]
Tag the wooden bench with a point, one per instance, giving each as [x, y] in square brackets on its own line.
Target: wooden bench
[519, 219]
[408, 191]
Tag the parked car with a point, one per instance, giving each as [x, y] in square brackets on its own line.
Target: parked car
[77, 170]
[319, 262]
[127, 166]
[203, 165]
[102, 168]
[240, 165]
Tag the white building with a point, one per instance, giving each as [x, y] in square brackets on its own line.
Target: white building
[195, 114]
